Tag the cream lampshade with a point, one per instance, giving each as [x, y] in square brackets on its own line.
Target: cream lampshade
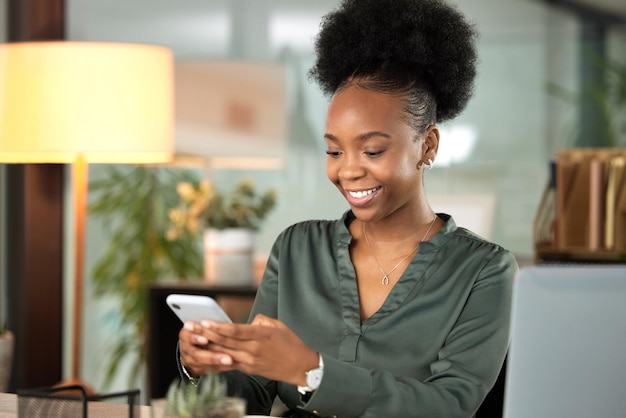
[84, 102]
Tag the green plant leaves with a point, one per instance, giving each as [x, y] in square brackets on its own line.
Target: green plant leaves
[187, 400]
[133, 203]
[202, 205]
[607, 100]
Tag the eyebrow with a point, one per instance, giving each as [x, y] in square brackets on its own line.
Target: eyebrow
[363, 136]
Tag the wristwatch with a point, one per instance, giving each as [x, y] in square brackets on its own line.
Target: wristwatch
[313, 378]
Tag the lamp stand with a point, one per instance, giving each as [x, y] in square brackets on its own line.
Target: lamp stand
[79, 191]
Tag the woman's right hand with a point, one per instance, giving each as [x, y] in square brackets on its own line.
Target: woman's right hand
[195, 353]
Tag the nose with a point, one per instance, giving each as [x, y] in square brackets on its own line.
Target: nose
[351, 167]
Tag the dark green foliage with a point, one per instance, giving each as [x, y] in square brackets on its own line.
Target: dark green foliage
[607, 99]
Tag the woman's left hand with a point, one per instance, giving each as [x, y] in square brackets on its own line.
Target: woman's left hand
[266, 347]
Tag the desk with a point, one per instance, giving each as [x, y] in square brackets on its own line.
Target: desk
[8, 408]
[163, 325]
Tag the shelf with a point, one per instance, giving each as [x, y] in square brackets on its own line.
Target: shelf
[579, 255]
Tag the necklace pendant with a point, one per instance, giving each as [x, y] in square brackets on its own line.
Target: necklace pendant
[385, 280]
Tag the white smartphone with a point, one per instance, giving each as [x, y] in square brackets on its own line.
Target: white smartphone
[196, 308]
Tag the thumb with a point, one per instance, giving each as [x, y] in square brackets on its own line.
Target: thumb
[265, 321]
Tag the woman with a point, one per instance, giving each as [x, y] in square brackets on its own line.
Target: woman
[390, 311]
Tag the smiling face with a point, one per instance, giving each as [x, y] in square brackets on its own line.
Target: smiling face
[374, 157]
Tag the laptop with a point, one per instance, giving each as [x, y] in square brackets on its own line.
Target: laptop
[567, 356]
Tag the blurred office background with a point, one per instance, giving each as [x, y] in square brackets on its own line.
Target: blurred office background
[494, 158]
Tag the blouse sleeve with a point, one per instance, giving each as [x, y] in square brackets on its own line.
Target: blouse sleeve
[460, 377]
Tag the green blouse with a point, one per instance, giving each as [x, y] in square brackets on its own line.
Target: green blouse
[433, 349]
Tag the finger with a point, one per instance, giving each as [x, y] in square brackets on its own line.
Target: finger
[195, 356]
[219, 342]
[193, 333]
[250, 363]
[246, 340]
[266, 321]
[189, 360]
[240, 351]
[242, 332]
[240, 358]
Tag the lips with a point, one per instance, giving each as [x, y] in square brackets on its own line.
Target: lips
[361, 197]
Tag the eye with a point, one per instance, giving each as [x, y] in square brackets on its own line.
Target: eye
[373, 154]
[333, 153]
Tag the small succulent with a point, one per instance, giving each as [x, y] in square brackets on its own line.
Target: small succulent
[206, 400]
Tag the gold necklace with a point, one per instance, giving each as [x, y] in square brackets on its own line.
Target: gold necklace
[385, 280]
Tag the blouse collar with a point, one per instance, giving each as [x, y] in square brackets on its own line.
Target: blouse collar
[435, 242]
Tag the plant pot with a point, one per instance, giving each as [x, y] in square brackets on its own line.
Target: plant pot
[229, 407]
[6, 359]
[228, 257]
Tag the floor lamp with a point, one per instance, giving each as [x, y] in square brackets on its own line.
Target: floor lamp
[80, 103]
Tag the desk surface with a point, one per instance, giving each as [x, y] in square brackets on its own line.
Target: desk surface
[8, 408]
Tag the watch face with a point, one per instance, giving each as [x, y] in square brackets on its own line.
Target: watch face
[313, 378]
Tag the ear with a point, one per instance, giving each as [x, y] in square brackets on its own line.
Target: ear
[430, 144]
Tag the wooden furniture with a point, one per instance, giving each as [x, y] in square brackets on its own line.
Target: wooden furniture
[582, 213]
[163, 325]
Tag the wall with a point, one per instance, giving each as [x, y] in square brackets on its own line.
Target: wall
[516, 125]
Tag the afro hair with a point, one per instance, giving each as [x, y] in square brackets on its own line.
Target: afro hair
[428, 39]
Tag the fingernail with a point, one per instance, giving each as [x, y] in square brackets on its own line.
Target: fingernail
[188, 326]
[206, 324]
[202, 340]
[226, 360]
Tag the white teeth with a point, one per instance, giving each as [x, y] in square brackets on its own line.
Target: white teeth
[361, 194]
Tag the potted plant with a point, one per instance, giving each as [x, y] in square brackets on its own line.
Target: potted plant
[228, 223]
[6, 355]
[207, 400]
